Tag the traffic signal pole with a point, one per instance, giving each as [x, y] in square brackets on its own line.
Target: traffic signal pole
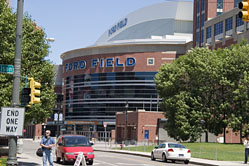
[12, 160]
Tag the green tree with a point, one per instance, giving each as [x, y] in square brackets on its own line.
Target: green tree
[238, 60]
[34, 50]
[189, 86]
[184, 87]
[206, 86]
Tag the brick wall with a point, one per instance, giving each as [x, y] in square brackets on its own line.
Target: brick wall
[138, 122]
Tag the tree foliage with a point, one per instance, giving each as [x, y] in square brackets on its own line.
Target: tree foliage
[206, 90]
[34, 50]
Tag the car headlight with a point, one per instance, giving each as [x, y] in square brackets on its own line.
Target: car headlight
[89, 152]
[69, 153]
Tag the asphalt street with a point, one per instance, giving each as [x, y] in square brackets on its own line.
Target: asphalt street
[101, 158]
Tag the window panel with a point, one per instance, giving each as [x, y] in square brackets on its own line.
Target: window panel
[101, 95]
[229, 24]
[209, 32]
[218, 28]
[239, 21]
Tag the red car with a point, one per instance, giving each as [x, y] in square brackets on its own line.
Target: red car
[69, 146]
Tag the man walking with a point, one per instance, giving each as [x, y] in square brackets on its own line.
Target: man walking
[47, 143]
[246, 143]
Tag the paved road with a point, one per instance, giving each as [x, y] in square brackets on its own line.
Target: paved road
[116, 159]
[101, 158]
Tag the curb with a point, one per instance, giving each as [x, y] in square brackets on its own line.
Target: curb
[146, 155]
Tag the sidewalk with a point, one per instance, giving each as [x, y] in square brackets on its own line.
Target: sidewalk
[101, 146]
[27, 160]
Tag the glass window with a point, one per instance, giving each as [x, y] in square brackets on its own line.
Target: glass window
[172, 145]
[218, 28]
[239, 21]
[202, 36]
[219, 7]
[197, 22]
[236, 3]
[229, 24]
[203, 5]
[219, 4]
[198, 6]
[202, 19]
[197, 37]
[209, 32]
[150, 61]
[72, 141]
[101, 95]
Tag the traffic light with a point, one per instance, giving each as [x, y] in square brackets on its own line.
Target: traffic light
[34, 91]
[25, 96]
[244, 13]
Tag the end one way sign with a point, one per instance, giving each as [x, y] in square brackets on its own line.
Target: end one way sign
[12, 120]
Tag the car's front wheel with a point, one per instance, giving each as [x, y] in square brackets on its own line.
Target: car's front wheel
[164, 158]
[152, 156]
[58, 159]
[186, 161]
[90, 162]
[64, 161]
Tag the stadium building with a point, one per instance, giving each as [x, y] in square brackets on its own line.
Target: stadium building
[117, 73]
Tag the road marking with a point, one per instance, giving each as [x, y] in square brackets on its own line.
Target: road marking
[137, 160]
[134, 164]
[102, 162]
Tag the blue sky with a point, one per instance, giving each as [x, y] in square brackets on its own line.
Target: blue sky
[77, 23]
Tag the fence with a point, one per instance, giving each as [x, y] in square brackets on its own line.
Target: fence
[212, 151]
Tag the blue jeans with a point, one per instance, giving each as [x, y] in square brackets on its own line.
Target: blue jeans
[246, 154]
[47, 154]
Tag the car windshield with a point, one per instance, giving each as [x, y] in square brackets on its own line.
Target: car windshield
[175, 145]
[77, 141]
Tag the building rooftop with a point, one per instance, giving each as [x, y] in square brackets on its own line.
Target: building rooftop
[163, 22]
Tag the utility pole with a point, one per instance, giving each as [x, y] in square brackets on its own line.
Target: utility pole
[12, 160]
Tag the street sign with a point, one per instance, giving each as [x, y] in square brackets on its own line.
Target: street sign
[9, 69]
[12, 120]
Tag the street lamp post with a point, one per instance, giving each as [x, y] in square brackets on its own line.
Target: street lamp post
[126, 121]
[12, 159]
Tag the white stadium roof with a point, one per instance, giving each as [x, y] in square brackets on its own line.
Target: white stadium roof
[167, 22]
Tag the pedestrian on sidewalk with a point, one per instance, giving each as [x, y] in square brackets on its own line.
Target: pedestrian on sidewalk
[246, 144]
[47, 143]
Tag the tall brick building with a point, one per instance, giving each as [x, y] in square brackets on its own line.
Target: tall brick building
[205, 10]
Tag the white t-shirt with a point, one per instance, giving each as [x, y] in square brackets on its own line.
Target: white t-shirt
[246, 143]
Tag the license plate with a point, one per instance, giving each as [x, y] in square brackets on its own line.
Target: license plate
[181, 155]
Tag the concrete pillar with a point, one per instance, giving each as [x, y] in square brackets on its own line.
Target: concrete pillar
[234, 28]
[213, 37]
[224, 33]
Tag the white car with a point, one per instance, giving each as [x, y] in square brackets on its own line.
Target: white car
[171, 151]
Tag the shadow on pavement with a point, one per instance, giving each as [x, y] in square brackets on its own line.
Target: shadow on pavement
[27, 164]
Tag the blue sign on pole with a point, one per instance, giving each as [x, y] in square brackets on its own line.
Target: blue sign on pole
[9, 69]
[146, 134]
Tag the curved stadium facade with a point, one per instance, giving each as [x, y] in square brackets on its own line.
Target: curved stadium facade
[120, 67]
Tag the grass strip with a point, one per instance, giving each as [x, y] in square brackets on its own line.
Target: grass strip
[211, 151]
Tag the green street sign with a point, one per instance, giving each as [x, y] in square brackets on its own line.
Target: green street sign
[9, 69]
